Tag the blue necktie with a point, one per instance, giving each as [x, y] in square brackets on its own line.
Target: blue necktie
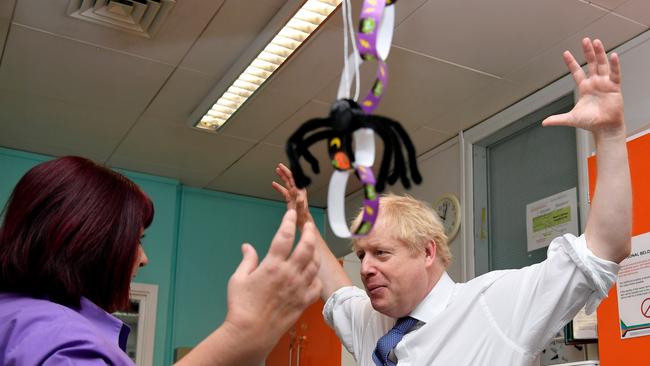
[386, 343]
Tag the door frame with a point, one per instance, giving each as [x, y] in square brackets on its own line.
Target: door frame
[585, 147]
[508, 116]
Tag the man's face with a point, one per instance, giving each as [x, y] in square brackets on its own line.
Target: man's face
[394, 276]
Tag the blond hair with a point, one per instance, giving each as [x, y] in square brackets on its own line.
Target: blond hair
[413, 222]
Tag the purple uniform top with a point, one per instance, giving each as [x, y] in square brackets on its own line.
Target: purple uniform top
[41, 332]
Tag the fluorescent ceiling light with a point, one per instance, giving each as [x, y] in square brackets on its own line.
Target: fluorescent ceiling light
[304, 22]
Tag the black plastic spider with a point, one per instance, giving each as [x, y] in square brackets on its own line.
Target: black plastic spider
[345, 118]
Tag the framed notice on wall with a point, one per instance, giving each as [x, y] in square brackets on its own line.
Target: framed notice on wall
[551, 217]
[633, 289]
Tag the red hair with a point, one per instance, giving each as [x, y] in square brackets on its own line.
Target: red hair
[72, 228]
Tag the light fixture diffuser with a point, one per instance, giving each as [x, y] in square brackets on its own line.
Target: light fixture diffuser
[303, 23]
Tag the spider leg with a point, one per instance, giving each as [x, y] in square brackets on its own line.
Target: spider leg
[347, 140]
[399, 170]
[408, 144]
[295, 147]
[400, 165]
[312, 139]
[413, 166]
[299, 176]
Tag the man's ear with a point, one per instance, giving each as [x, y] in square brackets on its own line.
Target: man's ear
[430, 253]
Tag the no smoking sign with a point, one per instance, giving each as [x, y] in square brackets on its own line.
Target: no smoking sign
[645, 308]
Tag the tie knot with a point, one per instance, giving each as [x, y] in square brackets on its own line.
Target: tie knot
[405, 324]
[386, 343]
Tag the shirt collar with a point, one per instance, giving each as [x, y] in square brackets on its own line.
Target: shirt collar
[436, 301]
[109, 326]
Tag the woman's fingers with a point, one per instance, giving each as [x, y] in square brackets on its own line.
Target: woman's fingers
[284, 237]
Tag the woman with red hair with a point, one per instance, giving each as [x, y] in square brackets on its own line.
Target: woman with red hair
[69, 247]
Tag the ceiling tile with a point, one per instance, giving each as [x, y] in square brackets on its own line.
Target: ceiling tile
[426, 139]
[549, 66]
[289, 89]
[368, 70]
[253, 173]
[183, 25]
[403, 9]
[54, 127]
[312, 67]
[260, 115]
[177, 151]
[277, 4]
[638, 10]
[420, 88]
[479, 34]
[367, 76]
[233, 29]
[182, 92]
[4, 29]
[608, 4]
[7, 9]
[6, 12]
[463, 114]
[260, 163]
[80, 73]
[313, 109]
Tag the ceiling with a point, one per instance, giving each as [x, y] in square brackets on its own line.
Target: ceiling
[72, 87]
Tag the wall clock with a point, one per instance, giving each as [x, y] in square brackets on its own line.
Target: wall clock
[448, 208]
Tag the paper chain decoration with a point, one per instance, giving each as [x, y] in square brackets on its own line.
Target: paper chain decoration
[350, 124]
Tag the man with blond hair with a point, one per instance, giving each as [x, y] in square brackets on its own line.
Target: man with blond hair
[412, 312]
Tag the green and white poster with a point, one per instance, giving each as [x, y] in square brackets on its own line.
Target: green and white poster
[551, 217]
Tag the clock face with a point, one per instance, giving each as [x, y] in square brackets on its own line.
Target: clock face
[448, 208]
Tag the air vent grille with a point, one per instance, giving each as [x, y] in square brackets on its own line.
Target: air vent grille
[141, 17]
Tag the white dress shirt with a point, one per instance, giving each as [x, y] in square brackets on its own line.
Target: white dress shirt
[502, 318]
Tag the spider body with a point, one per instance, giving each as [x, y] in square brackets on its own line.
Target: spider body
[338, 128]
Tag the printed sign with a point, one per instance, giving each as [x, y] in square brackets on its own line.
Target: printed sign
[551, 217]
[634, 289]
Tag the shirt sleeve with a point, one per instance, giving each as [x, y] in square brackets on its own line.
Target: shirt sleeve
[531, 304]
[66, 344]
[81, 353]
[344, 311]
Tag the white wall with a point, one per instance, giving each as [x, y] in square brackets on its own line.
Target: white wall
[635, 62]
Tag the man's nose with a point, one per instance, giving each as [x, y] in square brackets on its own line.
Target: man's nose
[367, 266]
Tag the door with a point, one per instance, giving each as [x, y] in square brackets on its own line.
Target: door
[513, 167]
[309, 342]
